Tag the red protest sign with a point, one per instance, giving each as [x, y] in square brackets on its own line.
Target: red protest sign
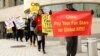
[71, 23]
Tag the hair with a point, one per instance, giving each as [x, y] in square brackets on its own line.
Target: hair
[42, 12]
[92, 12]
[29, 20]
[50, 12]
[69, 4]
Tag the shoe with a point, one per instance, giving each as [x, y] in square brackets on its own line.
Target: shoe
[68, 54]
[39, 50]
[21, 40]
[44, 52]
[72, 55]
[17, 40]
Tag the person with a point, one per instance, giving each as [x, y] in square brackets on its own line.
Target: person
[32, 30]
[27, 30]
[72, 41]
[14, 30]
[40, 34]
[20, 32]
[92, 12]
[9, 33]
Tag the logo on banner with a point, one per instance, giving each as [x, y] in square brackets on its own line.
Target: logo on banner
[46, 24]
[34, 7]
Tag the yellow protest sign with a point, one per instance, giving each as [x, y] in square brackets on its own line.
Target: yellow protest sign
[34, 7]
[46, 24]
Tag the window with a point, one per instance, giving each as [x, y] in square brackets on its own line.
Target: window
[1, 4]
[21, 1]
[4, 3]
[87, 6]
[79, 6]
[53, 7]
[15, 2]
[18, 2]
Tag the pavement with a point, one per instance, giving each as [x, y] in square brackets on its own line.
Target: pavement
[53, 48]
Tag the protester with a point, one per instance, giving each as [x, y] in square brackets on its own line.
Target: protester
[20, 32]
[40, 34]
[14, 29]
[27, 30]
[72, 41]
[9, 33]
[34, 26]
[32, 30]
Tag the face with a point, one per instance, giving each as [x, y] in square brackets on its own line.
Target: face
[40, 12]
[33, 17]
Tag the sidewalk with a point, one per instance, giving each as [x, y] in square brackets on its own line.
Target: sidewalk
[53, 48]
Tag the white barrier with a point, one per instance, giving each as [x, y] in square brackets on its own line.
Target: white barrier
[92, 47]
[79, 48]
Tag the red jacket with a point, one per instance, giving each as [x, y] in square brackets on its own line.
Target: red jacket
[38, 21]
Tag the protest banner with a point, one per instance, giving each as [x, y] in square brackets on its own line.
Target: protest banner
[46, 24]
[9, 23]
[71, 23]
[19, 23]
[34, 7]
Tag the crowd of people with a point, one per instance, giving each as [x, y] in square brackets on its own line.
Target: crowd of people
[33, 32]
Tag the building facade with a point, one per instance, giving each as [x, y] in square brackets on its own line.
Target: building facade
[78, 4]
[1, 4]
[10, 3]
